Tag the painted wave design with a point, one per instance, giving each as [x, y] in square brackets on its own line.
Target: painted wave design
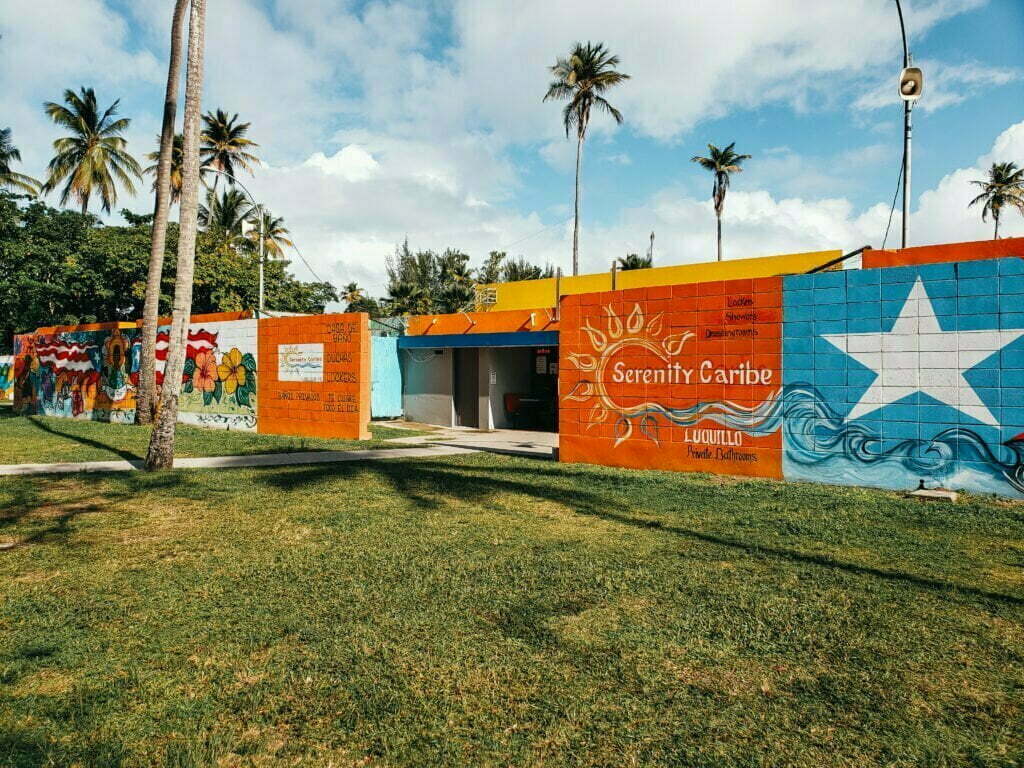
[815, 435]
[762, 419]
[820, 445]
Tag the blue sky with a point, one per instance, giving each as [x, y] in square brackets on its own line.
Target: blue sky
[379, 120]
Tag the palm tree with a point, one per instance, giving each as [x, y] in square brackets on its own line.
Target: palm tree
[225, 145]
[581, 78]
[175, 169]
[8, 178]
[167, 186]
[722, 163]
[275, 233]
[161, 444]
[224, 213]
[518, 269]
[633, 261]
[352, 293]
[93, 158]
[1004, 188]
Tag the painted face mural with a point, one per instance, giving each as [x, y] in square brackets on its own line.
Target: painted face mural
[904, 375]
[685, 377]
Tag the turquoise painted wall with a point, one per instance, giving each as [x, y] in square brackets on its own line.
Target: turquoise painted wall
[386, 390]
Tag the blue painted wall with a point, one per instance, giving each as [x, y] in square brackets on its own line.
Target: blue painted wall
[898, 375]
[386, 388]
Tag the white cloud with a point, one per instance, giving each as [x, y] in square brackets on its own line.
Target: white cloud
[352, 163]
[353, 223]
[47, 46]
[684, 68]
[424, 151]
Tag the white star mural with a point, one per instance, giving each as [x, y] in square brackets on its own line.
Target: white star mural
[918, 356]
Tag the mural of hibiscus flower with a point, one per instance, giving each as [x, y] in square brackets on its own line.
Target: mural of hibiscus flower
[204, 378]
[231, 371]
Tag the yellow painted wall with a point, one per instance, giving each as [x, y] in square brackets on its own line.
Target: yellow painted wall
[539, 294]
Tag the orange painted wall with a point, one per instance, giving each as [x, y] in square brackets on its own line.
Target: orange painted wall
[933, 254]
[510, 321]
[339, 405]
[612, 411]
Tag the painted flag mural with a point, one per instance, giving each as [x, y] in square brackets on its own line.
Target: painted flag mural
[907, 375]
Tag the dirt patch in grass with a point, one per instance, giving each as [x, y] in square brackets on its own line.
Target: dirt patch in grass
[47, 682]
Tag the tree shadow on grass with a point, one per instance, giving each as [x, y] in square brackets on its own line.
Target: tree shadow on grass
[423, 482]
[110, 447]
[27, 502]
[24, 748]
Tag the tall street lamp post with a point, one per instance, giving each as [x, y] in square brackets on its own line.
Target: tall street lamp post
[911, 84]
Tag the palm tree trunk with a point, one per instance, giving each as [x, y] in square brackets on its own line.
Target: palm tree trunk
[576, 214]
[161, 444]
[996, 235]
[146, 402]
[718, 217]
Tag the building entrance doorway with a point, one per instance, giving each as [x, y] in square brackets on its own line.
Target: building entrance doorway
[524, 388]
[466, 387]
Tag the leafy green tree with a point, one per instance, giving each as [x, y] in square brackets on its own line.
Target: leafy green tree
[11, 179]
[356, 300]
[226, 145]
[633, 261]
[61, 267]
[722, 163]
[1003, 189]
[94, 158]
[581, 78]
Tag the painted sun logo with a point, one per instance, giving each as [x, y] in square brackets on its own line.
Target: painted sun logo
[635, 331]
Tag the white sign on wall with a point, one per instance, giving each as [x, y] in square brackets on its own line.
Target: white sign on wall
[300, 362]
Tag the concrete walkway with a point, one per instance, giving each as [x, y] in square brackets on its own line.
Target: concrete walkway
[257, 460]
[507, 441]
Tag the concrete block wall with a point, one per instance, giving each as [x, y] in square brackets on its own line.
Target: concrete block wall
[232, 347]
[314, 377]
[904, 375]
[91, 372]
[891, 377]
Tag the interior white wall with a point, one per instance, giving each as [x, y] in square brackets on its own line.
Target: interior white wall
[427, 395]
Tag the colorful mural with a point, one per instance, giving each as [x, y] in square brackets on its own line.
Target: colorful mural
[6, 377]
[220, 377]
[93, 374]
[685, 377]
[893, 377]
[907, 375]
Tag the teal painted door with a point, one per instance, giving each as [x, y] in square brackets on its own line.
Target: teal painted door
[386, 389]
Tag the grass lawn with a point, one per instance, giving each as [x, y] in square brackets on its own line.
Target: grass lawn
[45, 440]
[497, 611]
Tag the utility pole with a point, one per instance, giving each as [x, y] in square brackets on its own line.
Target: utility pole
[263, 245]
[911, 85]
